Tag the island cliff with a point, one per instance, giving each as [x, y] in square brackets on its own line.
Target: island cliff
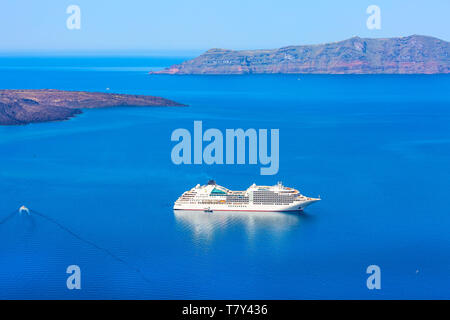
[27, 106]
[407, 55]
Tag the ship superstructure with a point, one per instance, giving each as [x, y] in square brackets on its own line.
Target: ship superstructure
[213, 197]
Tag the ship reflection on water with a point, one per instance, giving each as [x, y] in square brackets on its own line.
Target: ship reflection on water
[204, 225]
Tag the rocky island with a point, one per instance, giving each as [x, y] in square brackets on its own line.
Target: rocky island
[406, 55]
[28, 106]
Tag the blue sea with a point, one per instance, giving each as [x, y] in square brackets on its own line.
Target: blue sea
[376, 148]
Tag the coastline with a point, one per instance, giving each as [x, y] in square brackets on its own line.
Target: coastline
[24, 106]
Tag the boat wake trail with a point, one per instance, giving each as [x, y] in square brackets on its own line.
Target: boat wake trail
[8, 217]
[80, 238]
[92, 244]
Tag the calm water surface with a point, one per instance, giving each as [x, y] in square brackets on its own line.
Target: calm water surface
[376, 148]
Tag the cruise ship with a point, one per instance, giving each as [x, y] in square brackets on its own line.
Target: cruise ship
[212, 197]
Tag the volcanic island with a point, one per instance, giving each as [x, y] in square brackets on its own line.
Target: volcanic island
[18, 107]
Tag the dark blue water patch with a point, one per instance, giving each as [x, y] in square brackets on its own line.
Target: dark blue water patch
[374, 147]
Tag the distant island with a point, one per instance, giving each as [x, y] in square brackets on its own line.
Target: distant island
[28, 106]
[407, 55]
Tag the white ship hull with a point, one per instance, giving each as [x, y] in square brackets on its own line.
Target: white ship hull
[247, 208]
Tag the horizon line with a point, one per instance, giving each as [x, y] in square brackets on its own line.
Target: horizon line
[164, 52]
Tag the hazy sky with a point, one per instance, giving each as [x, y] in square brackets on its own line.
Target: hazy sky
[147, 25]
